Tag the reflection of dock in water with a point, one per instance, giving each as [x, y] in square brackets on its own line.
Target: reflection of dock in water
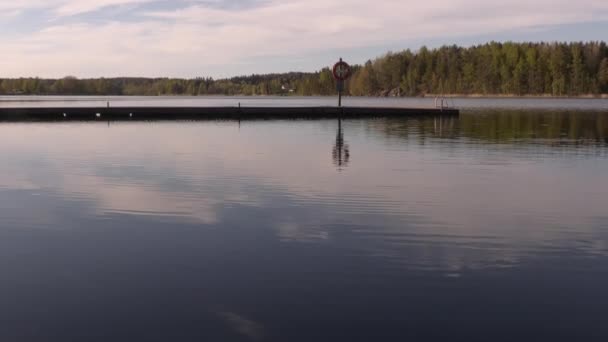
[202, 113]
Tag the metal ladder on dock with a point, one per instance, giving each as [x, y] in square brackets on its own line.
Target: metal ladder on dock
[441, 102]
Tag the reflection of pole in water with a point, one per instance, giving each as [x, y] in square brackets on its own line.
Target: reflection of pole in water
[341, 151]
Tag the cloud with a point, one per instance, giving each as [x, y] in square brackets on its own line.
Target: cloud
[73, 7]
[200, 37]
[63, 7]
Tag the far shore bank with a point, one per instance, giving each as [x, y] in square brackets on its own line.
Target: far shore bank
[432, 96]
[512, 96]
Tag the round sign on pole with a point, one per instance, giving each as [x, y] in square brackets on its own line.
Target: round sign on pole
[341, 73]
[341, 70]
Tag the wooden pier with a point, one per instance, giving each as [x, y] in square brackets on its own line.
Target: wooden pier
[205, 113]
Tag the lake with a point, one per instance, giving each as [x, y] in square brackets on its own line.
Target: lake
[492, 226]
[297, 101]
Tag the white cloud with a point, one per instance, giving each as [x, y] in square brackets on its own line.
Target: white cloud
[64, 7]
[197, 38]
[73, 7]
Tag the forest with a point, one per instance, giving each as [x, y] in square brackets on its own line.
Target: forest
[505, 69]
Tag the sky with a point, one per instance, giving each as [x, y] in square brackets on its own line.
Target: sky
[223, 38]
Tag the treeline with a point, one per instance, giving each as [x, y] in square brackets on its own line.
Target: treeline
[305, 84]
[250, 85]
[559, 69]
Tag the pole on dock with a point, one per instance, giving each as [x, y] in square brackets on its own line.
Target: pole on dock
[340, 90]
[341, 73]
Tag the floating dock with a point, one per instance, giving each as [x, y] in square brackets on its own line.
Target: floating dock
[205, 113]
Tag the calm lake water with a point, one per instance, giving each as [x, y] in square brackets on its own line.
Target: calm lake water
[488, 227]
[295, 101]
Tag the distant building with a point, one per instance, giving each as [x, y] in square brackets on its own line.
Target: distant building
[287, 88]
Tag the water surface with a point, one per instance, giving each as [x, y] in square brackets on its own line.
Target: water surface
[297, 101]
[492, 226]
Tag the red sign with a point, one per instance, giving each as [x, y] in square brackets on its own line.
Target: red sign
[341, 70]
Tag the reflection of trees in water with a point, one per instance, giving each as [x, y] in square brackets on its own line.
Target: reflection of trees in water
[528, 125]
[418, 128]
[341, 150]
[542, 127]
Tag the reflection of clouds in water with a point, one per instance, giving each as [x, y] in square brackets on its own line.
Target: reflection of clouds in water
[143, 196]
[15, 182]
[294, 232]
[144, 200]
[449, 256]
[243, 326]
[413, 205]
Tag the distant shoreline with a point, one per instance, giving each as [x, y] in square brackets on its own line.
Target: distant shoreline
[511, 96]
[430, 96]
